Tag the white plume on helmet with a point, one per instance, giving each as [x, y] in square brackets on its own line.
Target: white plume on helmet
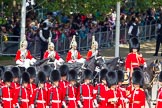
[94, 42]
[51, 45]
[23, 43]
[73, 42]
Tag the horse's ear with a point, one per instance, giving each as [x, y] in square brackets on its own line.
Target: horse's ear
[154, 61]
[157, 61]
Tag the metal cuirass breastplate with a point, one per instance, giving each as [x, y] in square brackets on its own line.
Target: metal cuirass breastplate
[23, 54]
[74, 54]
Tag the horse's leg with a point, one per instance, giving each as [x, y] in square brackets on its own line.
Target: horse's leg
[154, 89]
[148, 98]
[95, 74]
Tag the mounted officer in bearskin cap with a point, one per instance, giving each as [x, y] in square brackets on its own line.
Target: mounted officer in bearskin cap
[100, 91]
[71, 90]
[112, 94]
[23, 56]
[55, 94]
[39, 98]
[134, 59]
[7, 92]
[159, 96]
[137, 97]
[22, 94]
[73, 55]
[85, 95]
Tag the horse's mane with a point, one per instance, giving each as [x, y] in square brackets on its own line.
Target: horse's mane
[113, 63]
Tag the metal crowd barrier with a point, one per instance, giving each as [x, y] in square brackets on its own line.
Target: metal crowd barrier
[105, 39]
[10, 45]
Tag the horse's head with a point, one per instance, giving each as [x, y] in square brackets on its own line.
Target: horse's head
[156, 66]
[120, 62]
[100, 62]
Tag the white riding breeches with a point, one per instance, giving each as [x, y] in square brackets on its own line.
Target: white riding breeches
[81, 60]
[25, 63]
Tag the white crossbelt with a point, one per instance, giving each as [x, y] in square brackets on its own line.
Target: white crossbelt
[71, 98]
[87, 97]
[41, 101]
[159, 100]
[7, 99]
[56, 101]
[135, 63]
[102, 99]
[25, 100]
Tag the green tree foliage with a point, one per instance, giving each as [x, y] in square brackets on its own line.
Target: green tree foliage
[97, 7]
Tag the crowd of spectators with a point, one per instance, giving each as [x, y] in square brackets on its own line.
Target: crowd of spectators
[63, 25]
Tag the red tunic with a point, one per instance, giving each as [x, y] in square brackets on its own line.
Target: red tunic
[31, 88]
[25, 97]
[87, 93]
[129, 89]
[110, 95]
[57, 97]
[18, 55]
[63, 84]
[71, 92]
[138, 98]
[39, 98]
[15, 85]
[103, 95]
[56, 55]
[7, 97]
[89, 54]
[133, 60]
[69, 56]
[159, 99]
[122, 92]
[47, 86]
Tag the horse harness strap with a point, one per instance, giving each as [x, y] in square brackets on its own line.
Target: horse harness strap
[159, 100]
[153, 79]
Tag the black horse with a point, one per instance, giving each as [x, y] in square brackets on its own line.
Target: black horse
[116, 63]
